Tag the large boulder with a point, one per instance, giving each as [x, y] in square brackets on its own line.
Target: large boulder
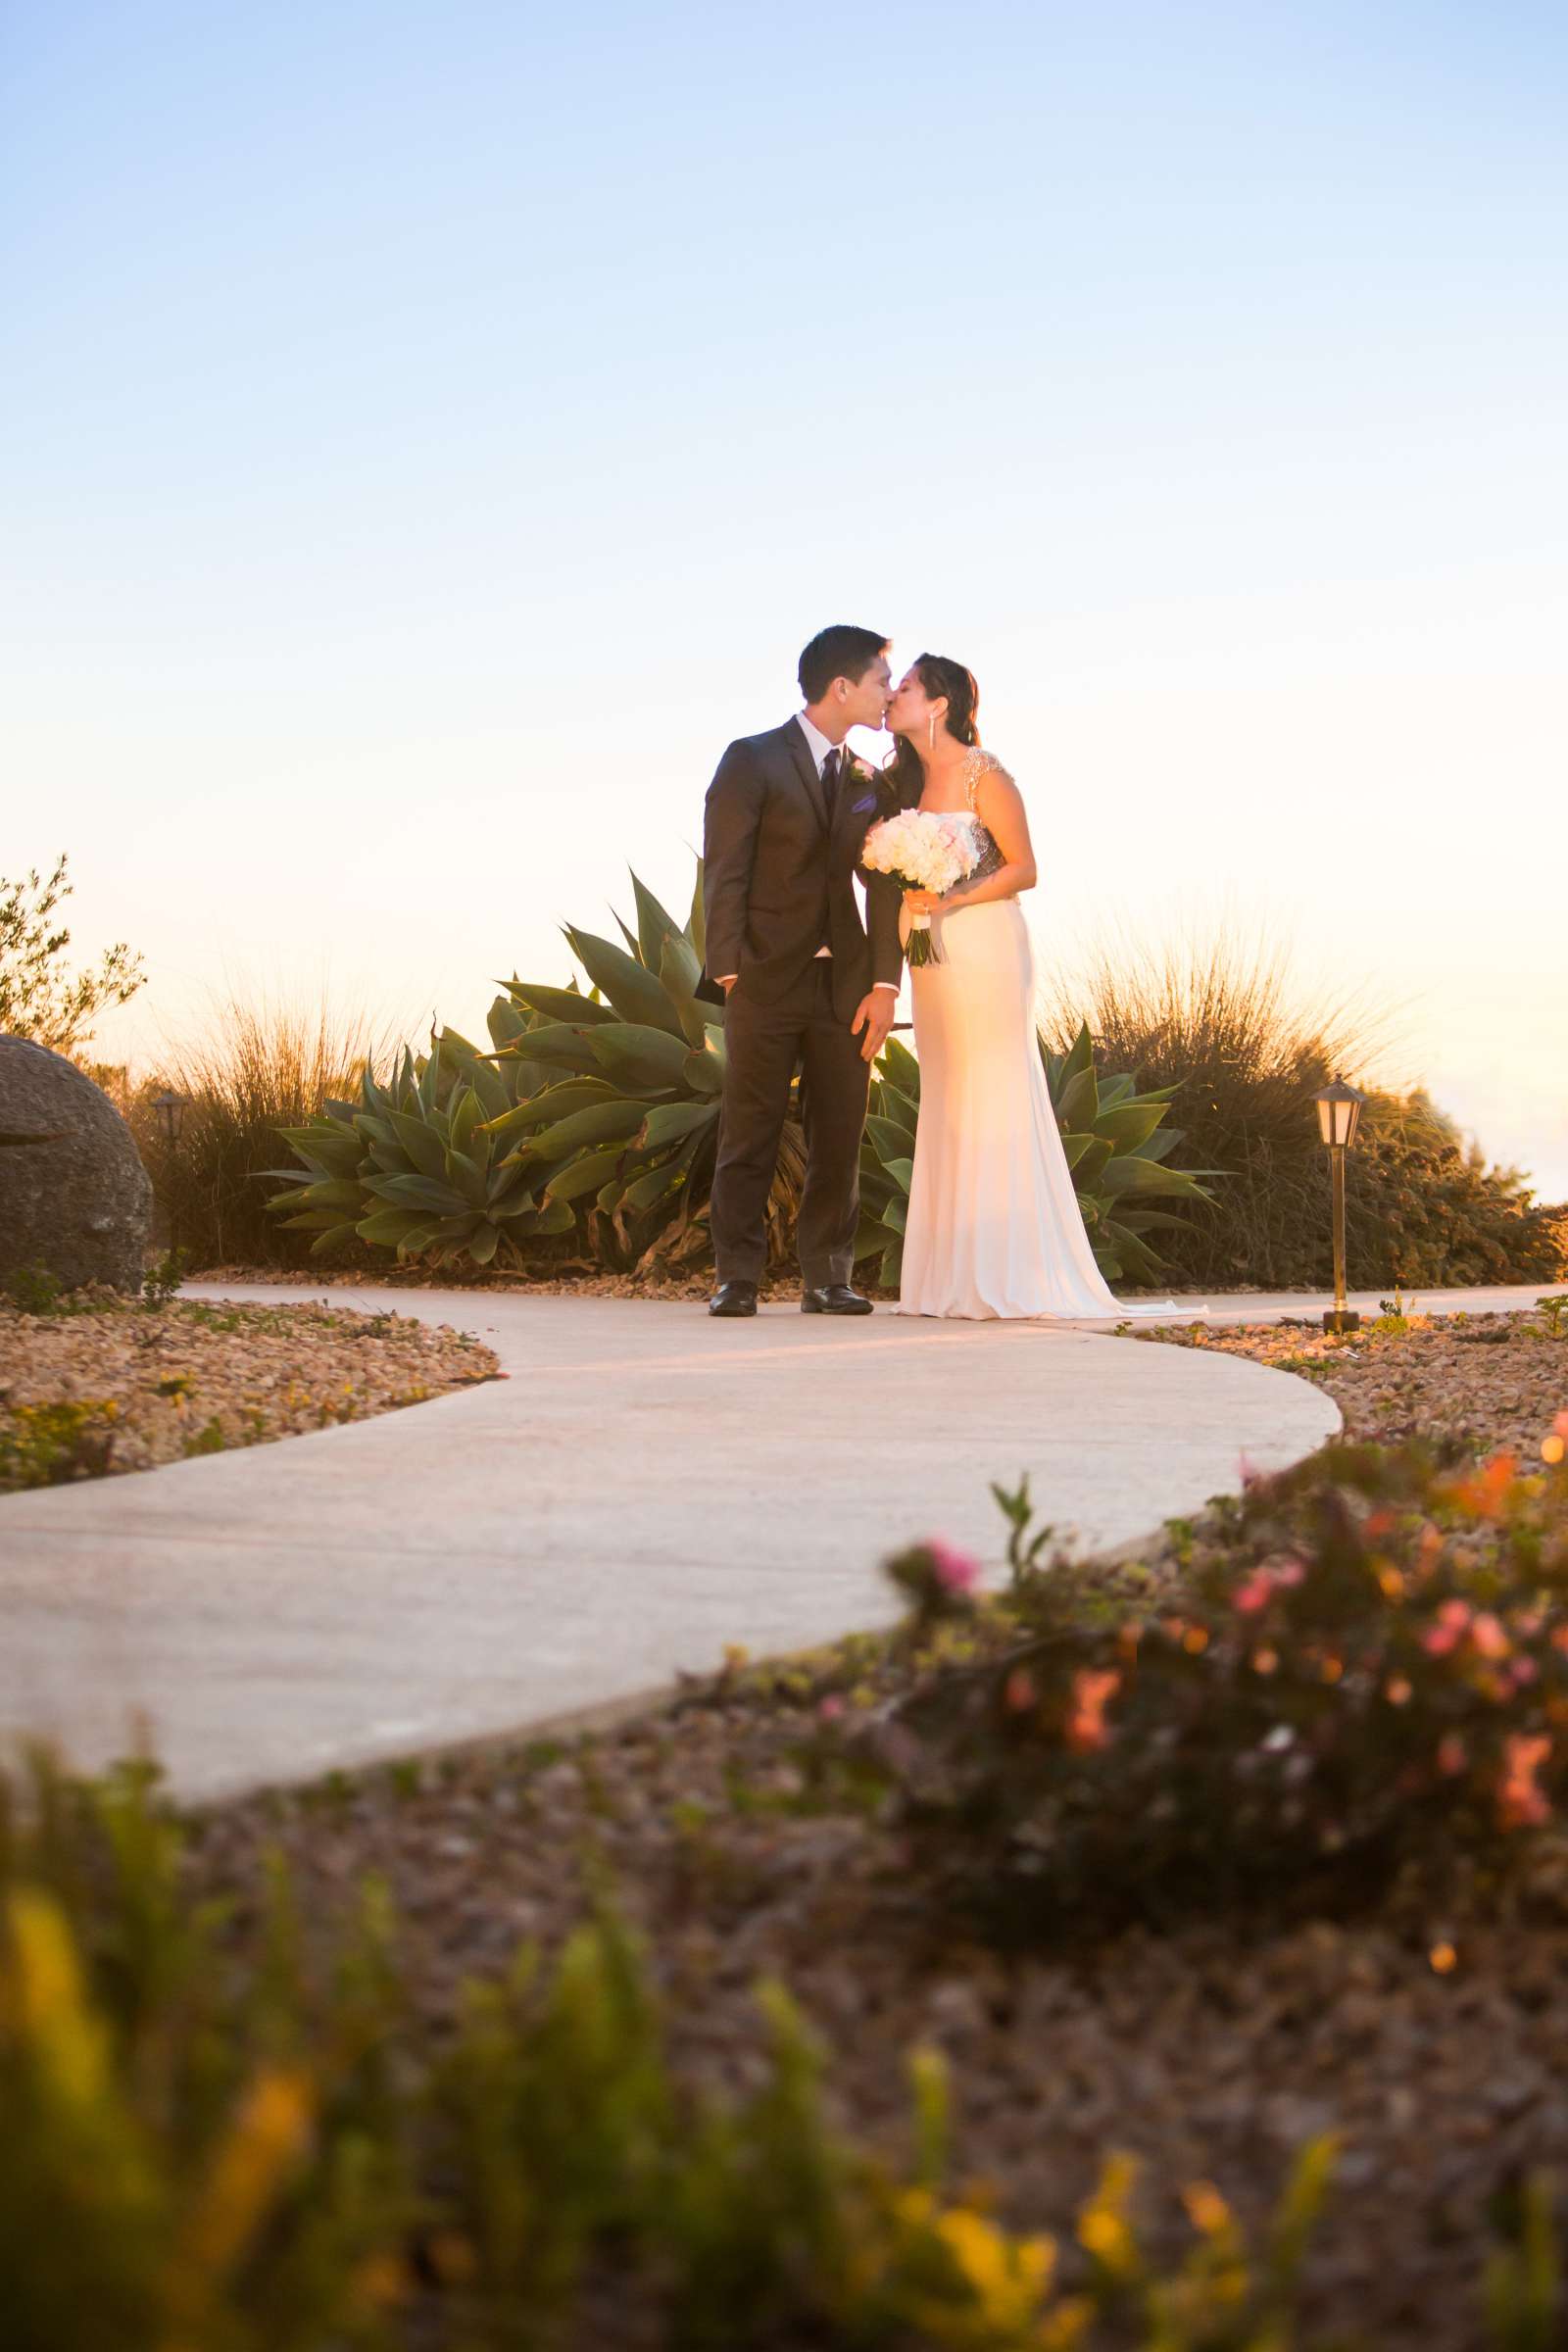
[74, 1195]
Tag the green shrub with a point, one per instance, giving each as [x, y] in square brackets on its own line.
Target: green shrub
[38, 998]
[1217, 1022]
[1364, 1673]
[48, 1445]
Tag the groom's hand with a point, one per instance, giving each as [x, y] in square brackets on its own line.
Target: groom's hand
[875, 1016]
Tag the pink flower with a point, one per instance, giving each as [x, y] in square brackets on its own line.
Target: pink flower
[1488, 1637]
[830, 1709]
[1439, 1639]
[1018, 1692]
[1255, 1594]
[955, 1571]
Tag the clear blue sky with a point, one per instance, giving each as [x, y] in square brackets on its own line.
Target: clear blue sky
[429, 434]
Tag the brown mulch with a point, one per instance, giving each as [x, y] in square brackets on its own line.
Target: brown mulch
[113, 1385]
[1437, 2050]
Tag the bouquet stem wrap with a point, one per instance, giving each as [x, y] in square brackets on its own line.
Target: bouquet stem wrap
[923, 947]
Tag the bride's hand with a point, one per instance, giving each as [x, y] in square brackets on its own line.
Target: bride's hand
[921, 902]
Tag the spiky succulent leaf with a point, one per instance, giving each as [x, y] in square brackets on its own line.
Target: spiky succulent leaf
[567, 1004]
[637, 995]
[654, 926]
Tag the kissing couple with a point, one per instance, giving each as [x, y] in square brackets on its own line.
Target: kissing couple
[994, 1226]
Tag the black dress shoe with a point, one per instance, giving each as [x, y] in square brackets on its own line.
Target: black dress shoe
[734, 1299]
[837, 1298]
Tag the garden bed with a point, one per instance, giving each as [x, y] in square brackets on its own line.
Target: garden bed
[1431, 2043]
[1481, 1380]
[102, 1384]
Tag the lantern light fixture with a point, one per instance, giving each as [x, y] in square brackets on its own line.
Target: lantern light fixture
[1339, 1115]
[169, 1110]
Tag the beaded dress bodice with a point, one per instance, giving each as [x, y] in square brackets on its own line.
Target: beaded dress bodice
[980, 764]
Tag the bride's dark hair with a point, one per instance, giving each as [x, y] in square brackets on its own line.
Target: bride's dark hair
[939, 676]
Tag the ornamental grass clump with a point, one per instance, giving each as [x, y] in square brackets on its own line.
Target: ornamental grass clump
[1357, 1685]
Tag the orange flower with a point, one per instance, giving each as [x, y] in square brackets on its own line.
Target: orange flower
[1018, 1693]
[1485, 1494]
[1520, 1805]
[1488, 1637]
[1086, 1724]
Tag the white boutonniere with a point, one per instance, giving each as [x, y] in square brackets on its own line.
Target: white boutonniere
[857, 785]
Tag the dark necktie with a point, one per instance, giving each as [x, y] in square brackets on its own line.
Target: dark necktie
[830, 785]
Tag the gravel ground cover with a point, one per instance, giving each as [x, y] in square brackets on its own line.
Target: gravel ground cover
[114, 1385]
[1436, 2049]
[1487, 1382]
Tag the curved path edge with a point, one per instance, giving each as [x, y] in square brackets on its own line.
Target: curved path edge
[644, 1488]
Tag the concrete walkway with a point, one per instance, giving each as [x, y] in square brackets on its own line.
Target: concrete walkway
[645, 1487]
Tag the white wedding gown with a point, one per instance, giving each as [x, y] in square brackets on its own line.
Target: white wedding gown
[994, 1227]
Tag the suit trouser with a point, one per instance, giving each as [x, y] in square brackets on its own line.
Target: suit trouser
[762, 1044]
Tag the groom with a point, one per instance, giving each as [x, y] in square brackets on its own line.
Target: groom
[787, 814]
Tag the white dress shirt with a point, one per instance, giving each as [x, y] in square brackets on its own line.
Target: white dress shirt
[819, 746]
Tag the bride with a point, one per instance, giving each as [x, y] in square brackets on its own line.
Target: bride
[994, 1225]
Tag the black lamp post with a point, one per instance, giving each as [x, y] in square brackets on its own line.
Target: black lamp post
[1339, 1114]
[170, 1111]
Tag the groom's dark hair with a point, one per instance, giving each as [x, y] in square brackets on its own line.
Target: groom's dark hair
[838, 653]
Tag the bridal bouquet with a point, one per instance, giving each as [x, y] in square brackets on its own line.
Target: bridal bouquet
[925, 852]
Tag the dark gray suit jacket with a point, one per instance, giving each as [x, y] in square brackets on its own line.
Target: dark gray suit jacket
[778, 883]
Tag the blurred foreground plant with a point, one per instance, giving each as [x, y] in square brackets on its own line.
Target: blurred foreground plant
[213, 2142]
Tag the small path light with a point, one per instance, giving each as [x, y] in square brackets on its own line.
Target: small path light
[170, 1110]
[1339, 1114]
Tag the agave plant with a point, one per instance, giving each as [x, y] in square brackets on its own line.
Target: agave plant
[625, 1133]
[412, 1166]
[1115, 1142]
